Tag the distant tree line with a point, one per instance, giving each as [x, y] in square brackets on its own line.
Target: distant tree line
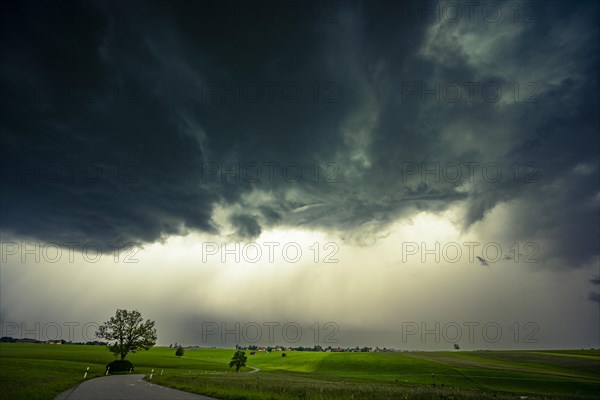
[9, 339]
[317, 348]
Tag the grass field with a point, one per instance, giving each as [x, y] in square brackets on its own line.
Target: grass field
[37, 371]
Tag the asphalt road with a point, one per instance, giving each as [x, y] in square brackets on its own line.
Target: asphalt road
[125, 387]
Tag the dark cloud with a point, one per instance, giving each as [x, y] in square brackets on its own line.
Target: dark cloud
[247, 227]
[269, 214]
[117, 122]
[594, 296]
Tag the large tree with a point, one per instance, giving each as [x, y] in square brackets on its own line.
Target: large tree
[238, 360]
[127, 333]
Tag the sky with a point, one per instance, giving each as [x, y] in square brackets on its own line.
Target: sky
[407, 175]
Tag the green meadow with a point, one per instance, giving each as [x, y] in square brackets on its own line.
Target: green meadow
[39, 371]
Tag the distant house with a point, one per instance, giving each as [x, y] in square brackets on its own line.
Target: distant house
[54, 341]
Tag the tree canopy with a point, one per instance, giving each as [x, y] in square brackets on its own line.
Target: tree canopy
[127, 333]
[238, 360]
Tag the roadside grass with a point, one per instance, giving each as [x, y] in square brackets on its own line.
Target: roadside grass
[41, 379]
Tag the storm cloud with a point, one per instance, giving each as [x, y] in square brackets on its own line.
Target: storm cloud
[126, 133]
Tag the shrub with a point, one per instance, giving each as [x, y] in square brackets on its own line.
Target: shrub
[120, 366]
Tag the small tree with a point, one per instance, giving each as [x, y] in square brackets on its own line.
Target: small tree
[179, 351]
[239, 360]
[456, 346]
[127, 333]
